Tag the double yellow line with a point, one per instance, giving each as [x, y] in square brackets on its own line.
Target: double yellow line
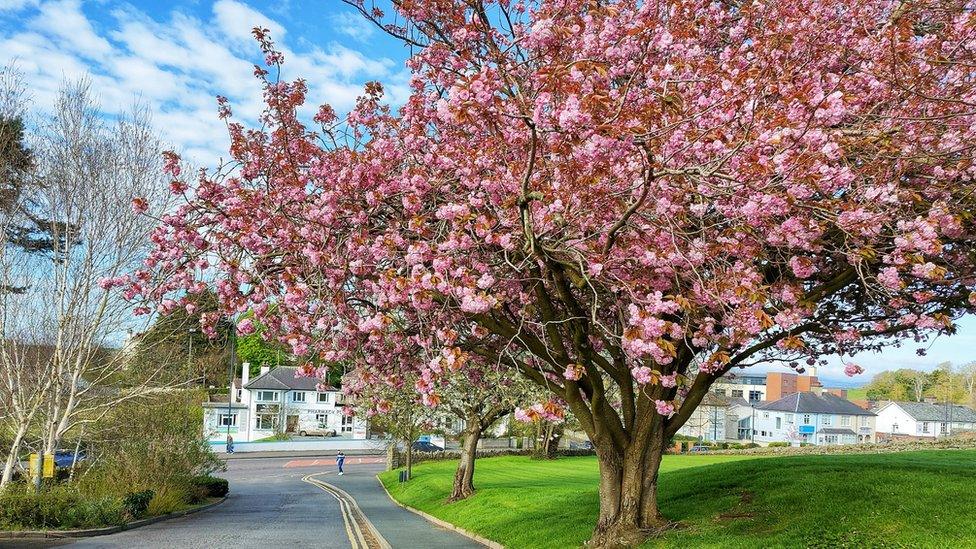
[349, 508]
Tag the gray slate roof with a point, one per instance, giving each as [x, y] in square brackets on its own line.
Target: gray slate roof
[924, 411]
[837, 431]
[282, 378]
[809, 403]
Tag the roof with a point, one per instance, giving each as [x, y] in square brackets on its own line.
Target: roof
[926, 411]
[223, 405]
[809, 403]
[837, 431]
[283, 378]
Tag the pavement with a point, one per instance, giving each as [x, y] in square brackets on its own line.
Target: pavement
[272, 504]
[400, 527]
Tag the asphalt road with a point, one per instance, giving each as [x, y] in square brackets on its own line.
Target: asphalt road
[268, 506]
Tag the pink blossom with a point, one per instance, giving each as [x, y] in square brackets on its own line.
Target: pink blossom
[573, 372]
[140, 205]
[664, 407]
[851, 369]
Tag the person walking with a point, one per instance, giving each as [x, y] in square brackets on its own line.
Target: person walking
[340, 460]
[230, 444]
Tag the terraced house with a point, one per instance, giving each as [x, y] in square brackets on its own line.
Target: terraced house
[820, 419]
[924, 419]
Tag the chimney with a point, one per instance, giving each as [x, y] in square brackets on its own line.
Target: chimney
[265, 369]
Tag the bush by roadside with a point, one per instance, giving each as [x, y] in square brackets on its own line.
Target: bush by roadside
[212, 487]
[65, 508]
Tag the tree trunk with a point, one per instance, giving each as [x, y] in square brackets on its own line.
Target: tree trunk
[629, 511]
[464, 476]
[11, 462]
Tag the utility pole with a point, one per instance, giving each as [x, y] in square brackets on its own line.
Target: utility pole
[232, 365]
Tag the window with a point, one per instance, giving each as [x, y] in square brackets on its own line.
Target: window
[268, 396]
[266, 422]
[943, 428]
[322, 418]
[779, 423]
[346, 424]
[925, 426]
[827, 420]
[789, 419]
[755, 396]
[845, 421]
[737, 393]
[720, 392]
[323, 398]
[831, 439]
[228, 420]
[298, 396]
[894, 427]
[765, 415]
[806, 419]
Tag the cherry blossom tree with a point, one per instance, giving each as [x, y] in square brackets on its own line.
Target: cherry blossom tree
[621, 201]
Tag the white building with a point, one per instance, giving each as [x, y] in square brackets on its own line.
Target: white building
[716, 419]
[924, 419]
[750, 387]
[279, 402]
[816, 419]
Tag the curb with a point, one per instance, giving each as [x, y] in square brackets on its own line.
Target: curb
[443, 524]
[373, 531]
[92, 532]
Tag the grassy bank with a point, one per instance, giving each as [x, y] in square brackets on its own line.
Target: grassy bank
[912, 499]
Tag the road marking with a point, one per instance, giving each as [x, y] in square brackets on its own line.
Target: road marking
[355, 540]
[329, 461]
[349, 509]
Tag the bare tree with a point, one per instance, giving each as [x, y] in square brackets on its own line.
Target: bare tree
[86, 172]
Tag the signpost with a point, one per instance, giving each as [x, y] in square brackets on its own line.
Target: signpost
[41, 469]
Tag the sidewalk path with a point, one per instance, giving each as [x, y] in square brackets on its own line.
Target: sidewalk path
[400, 527]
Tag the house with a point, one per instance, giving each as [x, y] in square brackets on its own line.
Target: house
[279, 402]
[715, 419]
[924, 419]
[820, 419]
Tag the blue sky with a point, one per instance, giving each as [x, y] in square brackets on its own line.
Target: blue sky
[177, 56]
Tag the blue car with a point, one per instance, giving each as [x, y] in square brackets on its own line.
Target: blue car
[424, 446]
[65, 458]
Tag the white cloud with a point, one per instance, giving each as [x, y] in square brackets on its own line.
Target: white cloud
[353, 26]
[16, 5]
[236, 20]
[175, 62]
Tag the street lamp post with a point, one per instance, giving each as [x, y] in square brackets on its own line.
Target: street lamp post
[233, 367]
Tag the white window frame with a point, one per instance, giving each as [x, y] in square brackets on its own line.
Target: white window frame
[827, 420]
[295, 397]
[262, 394]
[845, 421]
[322, 419]
[925, 426]
[806, 419]
[779, 422]
[346, 424]
[323, 398]
[222, 417]
[272, 418]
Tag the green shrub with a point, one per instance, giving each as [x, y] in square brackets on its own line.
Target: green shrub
[169, 499]
[57, 508]
[778, 444]
[750, 445]
[213, 487]
[135, 504]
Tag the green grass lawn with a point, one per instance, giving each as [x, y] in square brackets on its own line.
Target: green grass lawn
[859, 393]
[912, 499]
